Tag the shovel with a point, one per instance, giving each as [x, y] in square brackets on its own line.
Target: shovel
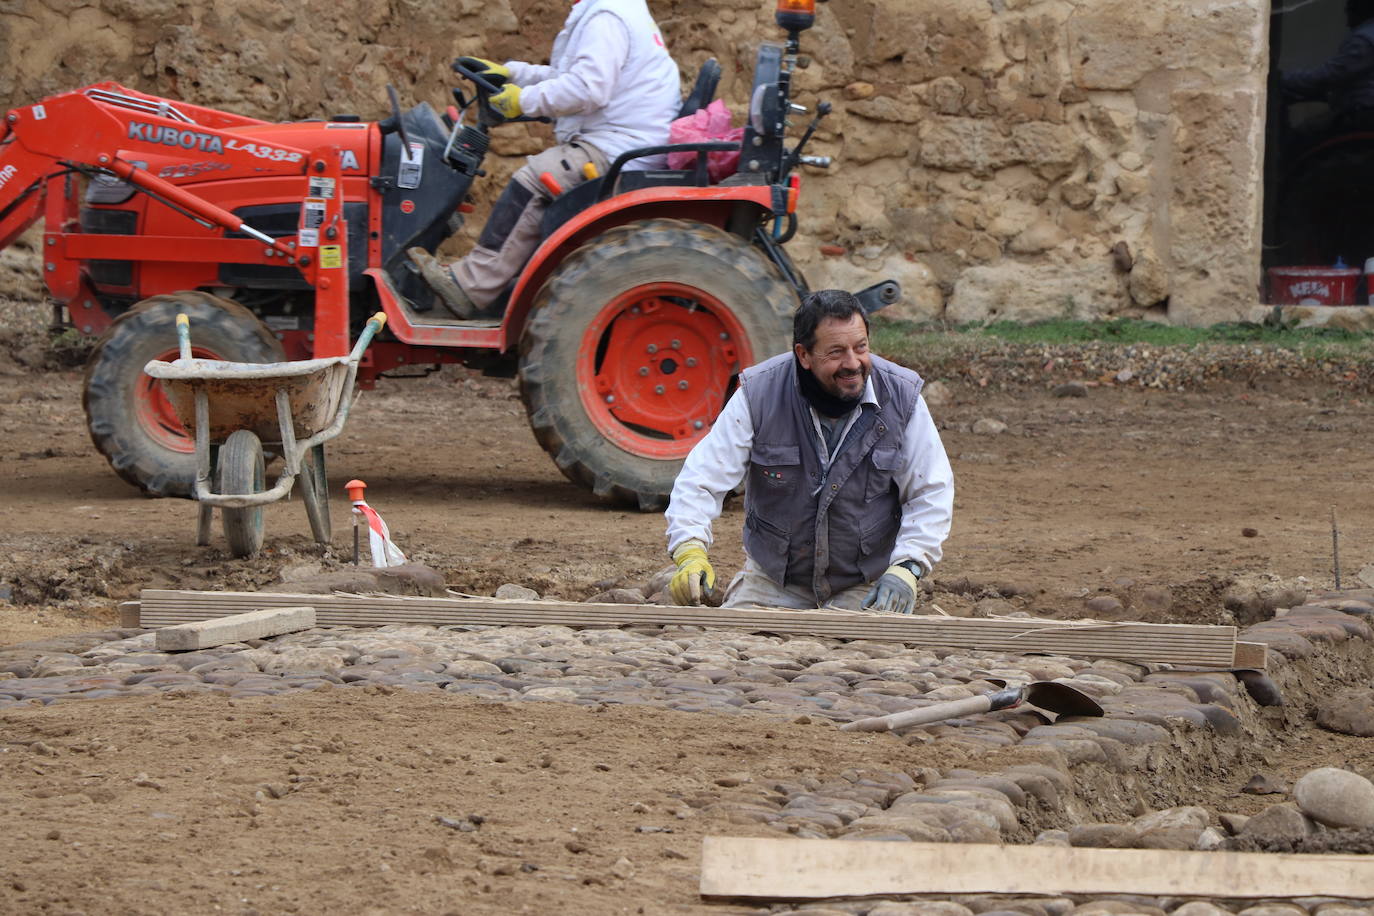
[1048, 695]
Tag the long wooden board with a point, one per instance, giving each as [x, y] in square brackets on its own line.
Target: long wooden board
[1180, 644]
[793, 869]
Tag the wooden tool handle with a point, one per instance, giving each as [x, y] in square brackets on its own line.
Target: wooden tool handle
[923, 716]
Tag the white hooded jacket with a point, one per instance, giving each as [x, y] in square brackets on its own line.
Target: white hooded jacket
[610, 81]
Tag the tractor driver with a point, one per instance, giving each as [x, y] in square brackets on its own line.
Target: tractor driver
[847, 481]
[611, 86]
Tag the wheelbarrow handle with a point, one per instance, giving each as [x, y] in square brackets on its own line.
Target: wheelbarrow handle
[370, 330]
[184, 335]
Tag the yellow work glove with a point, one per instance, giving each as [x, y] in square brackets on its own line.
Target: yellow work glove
[894, 592]
[694, 576]
[489, 70]
[507, 102]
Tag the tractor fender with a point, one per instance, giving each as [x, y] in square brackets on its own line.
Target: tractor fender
[717, 206]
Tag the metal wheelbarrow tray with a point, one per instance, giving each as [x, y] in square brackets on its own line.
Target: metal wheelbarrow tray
[234, 408]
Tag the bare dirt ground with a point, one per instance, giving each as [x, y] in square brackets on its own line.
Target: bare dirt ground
[1118, 492]
[169, 804]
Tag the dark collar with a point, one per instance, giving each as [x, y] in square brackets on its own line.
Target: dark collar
[825, 403]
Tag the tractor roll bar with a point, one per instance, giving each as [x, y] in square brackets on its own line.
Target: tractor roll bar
[709, 146]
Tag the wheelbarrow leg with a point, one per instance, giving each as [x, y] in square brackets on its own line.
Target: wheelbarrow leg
[315, 494]
[203, 461]
[203, 524]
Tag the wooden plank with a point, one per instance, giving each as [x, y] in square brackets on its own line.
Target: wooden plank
[129, 614]
[1180, 644]
[1252, 655]
[793, 869]
[219, 631]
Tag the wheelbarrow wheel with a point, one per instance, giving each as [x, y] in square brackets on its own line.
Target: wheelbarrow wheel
[315, 495]
[241, 473]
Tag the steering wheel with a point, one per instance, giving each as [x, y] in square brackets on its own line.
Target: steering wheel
[486, 88]
[396, 117]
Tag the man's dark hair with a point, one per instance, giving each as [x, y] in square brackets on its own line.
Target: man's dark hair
[819, 305]
[1357, 11]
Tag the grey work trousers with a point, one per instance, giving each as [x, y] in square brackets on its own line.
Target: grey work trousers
[484, 273]
[751, 587]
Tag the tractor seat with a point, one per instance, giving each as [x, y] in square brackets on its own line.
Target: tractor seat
[571, 203]
[703, 90]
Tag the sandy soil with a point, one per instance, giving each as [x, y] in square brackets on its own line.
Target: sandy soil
[171, 805]
[1117, 492]
[316, 803]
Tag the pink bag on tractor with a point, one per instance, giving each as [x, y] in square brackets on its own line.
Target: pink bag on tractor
[704, 124]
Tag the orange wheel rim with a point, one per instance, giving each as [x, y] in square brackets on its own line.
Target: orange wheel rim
[656, 366]
[154, 412]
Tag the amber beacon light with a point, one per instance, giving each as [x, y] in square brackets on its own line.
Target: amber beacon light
[796, 15]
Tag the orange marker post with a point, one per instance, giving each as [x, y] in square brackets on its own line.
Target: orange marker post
[383, 550]
[355, 490]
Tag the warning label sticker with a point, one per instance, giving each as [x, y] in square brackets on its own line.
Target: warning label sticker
[312, 213]
[411, 167]
[322, 187]
[331, 256]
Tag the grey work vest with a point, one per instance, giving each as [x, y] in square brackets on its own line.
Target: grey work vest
[843, 535]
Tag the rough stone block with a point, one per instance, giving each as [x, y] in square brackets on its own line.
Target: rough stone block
[205, 634]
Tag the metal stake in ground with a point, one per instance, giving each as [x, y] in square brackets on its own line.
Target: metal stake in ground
[1335, 548]
[355, 494]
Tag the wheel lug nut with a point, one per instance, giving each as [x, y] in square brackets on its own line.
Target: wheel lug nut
[676, 345]
[691, 362]
[724, 336]
[658, 389]
[652, 348]
[610, 399]
[697, 424]
[643, 370]
[682, 385]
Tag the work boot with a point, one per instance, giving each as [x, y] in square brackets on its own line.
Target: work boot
[440, 279]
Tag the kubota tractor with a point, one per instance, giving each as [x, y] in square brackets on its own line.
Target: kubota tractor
[628, 328]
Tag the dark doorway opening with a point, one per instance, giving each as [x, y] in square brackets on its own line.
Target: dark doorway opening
[1319, 143]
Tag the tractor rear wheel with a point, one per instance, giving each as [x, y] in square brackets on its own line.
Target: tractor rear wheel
[129, 418]
[636, 342]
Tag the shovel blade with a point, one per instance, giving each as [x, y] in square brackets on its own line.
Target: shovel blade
[1061, 699]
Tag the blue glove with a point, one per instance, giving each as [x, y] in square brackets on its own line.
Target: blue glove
[894, 592]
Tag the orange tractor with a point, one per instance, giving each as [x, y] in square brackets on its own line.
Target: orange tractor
[628, 328]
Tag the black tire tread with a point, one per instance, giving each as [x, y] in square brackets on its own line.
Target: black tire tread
[241, 473]
[543, 395]
[108, 419]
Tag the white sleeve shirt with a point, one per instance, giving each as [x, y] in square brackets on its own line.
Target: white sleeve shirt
[719, 462]
[585, 83]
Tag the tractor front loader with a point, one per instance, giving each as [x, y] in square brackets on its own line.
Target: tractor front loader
[628, 328]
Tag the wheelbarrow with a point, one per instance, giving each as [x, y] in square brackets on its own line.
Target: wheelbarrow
[237, 408]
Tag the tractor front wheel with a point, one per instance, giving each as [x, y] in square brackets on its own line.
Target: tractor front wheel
[636, 342]
[129, 417]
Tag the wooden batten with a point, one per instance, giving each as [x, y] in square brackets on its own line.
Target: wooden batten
[795, 869]
[1177, 644]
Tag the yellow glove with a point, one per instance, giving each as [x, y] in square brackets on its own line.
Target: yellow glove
[694, 576]
[507, 102]
[488, 69]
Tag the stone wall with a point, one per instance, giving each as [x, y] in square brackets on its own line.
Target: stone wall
[1002, 158]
